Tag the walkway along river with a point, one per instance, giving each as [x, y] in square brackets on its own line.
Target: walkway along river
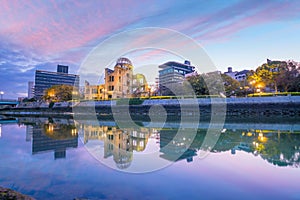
[233, 107]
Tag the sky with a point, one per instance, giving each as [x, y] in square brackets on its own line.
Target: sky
[41, 34]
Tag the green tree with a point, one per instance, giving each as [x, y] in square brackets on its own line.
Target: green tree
[213, 84]
[59, 93]
[295, 86]
[267, 74]
[289, 80]
[231, 85]
[197, 83]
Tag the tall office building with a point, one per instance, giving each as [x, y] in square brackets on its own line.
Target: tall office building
[30, 90]
[172, 75]
[62, 69]
[46, 79]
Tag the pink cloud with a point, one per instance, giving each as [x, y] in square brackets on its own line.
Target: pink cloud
[52, 28]
[269, 14]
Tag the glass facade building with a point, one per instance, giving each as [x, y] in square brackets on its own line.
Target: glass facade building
[46, 79]
[172, 75]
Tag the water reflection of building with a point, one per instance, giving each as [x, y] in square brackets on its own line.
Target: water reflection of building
[176, 146]
[54, 137]
[281, 148]
[29, 132]
[278, 147]
[118, 143]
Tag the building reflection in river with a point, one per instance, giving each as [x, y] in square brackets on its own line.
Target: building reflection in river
[175, 146]
[279, 146]
[119, 143]
[52, 137]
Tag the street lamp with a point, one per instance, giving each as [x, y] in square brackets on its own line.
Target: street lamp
[252, 83]
[259, 88]
[1, 93]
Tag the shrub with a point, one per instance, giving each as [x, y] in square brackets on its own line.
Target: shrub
[274, 94]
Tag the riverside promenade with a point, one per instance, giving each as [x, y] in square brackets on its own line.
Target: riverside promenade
[241, 107]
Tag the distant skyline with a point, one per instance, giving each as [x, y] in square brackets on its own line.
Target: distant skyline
[240, 34]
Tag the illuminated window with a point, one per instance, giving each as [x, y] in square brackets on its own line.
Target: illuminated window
[141, 143]
[134, 133]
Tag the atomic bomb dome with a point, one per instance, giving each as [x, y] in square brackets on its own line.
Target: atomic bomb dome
[122, 61]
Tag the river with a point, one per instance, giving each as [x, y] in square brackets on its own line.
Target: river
[57, 158]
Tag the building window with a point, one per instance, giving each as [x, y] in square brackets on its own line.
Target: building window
[94, 91]
[141, 144]
[120, 88]
[111, 88]
[119, 78]
[110, 137]
[134, 133]
[111, 78]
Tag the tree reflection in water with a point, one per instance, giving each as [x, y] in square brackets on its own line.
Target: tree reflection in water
[278, 147]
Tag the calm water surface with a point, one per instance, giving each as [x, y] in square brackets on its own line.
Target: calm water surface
[63, 159]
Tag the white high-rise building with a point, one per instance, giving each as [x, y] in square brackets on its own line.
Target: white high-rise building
[30, 90]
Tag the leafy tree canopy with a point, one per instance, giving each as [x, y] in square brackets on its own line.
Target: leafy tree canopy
[59, 93]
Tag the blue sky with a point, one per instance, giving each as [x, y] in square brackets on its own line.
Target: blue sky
[41, 34]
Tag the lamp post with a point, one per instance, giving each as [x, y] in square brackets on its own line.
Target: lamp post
[252, 85]
[1, 93]
[258, 90]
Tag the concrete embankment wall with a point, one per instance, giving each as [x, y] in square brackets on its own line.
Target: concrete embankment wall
[234, 107]
[38, 112]
[243, 107]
